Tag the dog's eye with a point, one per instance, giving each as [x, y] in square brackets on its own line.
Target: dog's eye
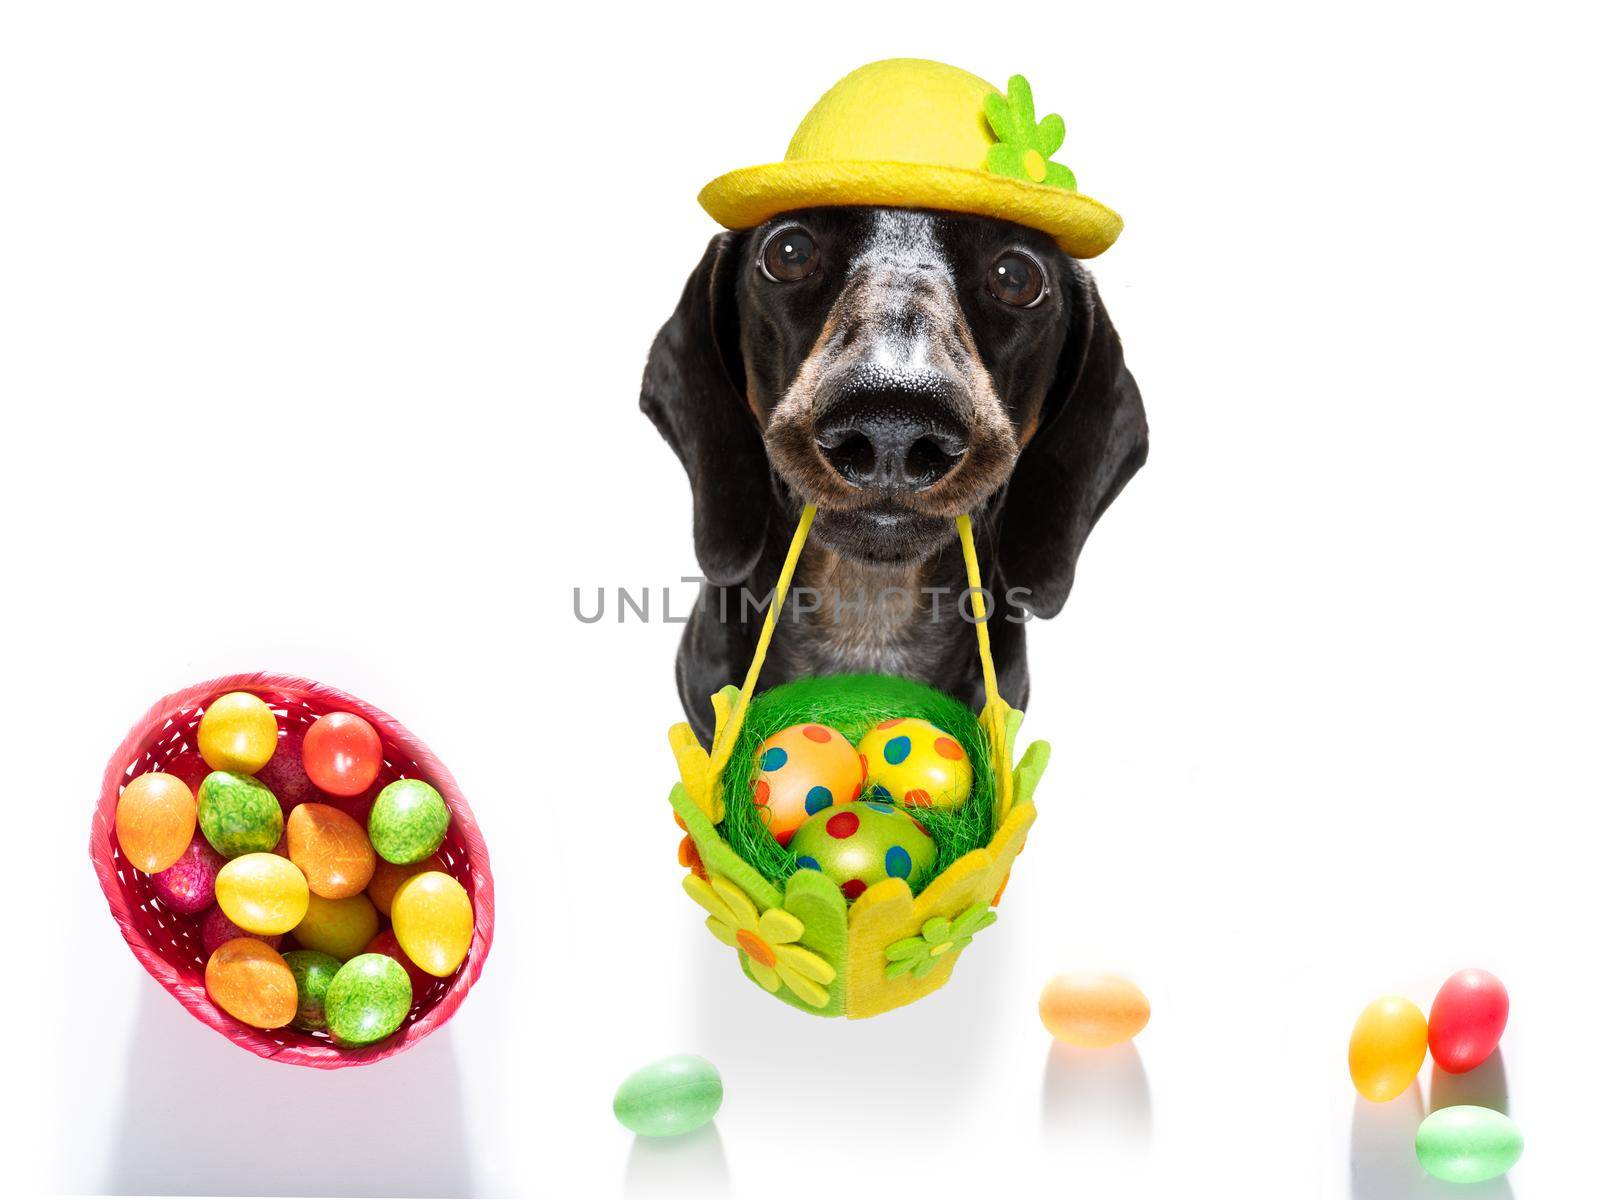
[790, 254]
[1017, 280]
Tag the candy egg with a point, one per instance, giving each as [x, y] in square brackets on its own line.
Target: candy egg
[262, 893]
[408, 821]
[155, 821]
[1387, 1047]
[800, 771]
[238, 733]
[387, 943]
[367, 1000]
[917, 764]
[215, 929]
[1093, 1009]
[862, 843]
[670, 1097]
[433, 920]
[188, 766]
[341, 928]
[238, 814]
[189, 885]
[313, 971]
[1467, 1144]
[387, 878]
[331, 849]
[285, 775]
[249, 980]
[1467, 1019]
[342, 754]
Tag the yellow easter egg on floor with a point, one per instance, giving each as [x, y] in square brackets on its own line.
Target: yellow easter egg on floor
[341, 927]
[262, 893]
[915, 763]
[433, 921]
[802, 770]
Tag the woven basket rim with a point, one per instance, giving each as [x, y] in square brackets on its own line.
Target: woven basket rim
[323, 1055]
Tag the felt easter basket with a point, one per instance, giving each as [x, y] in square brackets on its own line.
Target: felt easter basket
[168, 944]
[801, 940]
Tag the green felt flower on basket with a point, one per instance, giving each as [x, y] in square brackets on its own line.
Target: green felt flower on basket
[939, 937]
[1024, 148]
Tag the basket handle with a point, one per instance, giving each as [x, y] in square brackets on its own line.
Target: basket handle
[728, 734]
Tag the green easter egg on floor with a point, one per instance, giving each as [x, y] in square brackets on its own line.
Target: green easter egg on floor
[670, 1097]
[313, 972]
[238, 814]
[408, 821]
[1468, 1144]
[367, 1000]
[865, 842]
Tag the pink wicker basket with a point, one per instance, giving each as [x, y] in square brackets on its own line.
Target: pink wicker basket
[168, 944]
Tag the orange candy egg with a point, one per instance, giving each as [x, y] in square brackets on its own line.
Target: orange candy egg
[155, 821]
[249, 981]
[332, 849]
[1093, 1008]
[802, 770]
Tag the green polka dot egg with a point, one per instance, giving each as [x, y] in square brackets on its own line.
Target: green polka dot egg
[915, 763]
[865, 842]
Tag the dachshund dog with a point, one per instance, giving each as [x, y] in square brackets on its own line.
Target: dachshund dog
[897, 368]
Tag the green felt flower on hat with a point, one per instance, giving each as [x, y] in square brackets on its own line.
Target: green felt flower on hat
[940, 936]
[1024, 148]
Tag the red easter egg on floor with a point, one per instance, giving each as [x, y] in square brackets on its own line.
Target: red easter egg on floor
[387, 943]
[285, 775]
[1468, 1017]
[342, 754]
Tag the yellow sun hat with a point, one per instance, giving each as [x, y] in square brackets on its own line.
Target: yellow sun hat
[909, 133]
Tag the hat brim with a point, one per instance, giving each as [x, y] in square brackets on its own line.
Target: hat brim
[1081, 226]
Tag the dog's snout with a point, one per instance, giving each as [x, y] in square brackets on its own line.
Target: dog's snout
[902, 437]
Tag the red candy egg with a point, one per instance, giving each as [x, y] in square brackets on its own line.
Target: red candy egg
[342, 754]
[1468, 1017]
[285, 773]
[216, 930]
[387, 943]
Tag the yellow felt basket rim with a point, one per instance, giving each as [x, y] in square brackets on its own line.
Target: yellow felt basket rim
[1081, 225]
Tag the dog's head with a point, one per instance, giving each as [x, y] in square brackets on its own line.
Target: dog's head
[897, 368]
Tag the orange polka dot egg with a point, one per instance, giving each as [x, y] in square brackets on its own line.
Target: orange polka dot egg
[915, 763]
[802, 770]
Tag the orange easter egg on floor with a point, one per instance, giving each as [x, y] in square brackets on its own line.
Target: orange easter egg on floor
[155, 821]
[1093, 1008]
[802, 770]
[332, 849]
[249, 981]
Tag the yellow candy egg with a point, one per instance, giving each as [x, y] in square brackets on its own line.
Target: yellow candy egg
[155, 821]
[387, 878]
[915, 763]
[238, 733]
[341, 928]
[433, 922]
[802, 770]
[1387, 1047]
[262, 893]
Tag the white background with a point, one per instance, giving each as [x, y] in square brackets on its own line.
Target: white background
[319, 352]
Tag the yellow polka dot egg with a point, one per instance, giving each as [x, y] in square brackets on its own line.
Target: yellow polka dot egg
[802, 770]
[916, 764]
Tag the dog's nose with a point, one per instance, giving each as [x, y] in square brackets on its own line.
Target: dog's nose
[890, 440]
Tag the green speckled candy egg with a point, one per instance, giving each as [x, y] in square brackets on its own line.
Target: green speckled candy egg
[238, 814]
[408, 821]
[313, 972]
[673, 1096]
[1467, 1144]
[367, 1000]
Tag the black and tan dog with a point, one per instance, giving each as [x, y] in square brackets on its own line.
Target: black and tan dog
[896, 367]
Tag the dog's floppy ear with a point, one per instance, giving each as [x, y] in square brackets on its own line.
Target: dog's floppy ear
[694, 392]
[1091, 440]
